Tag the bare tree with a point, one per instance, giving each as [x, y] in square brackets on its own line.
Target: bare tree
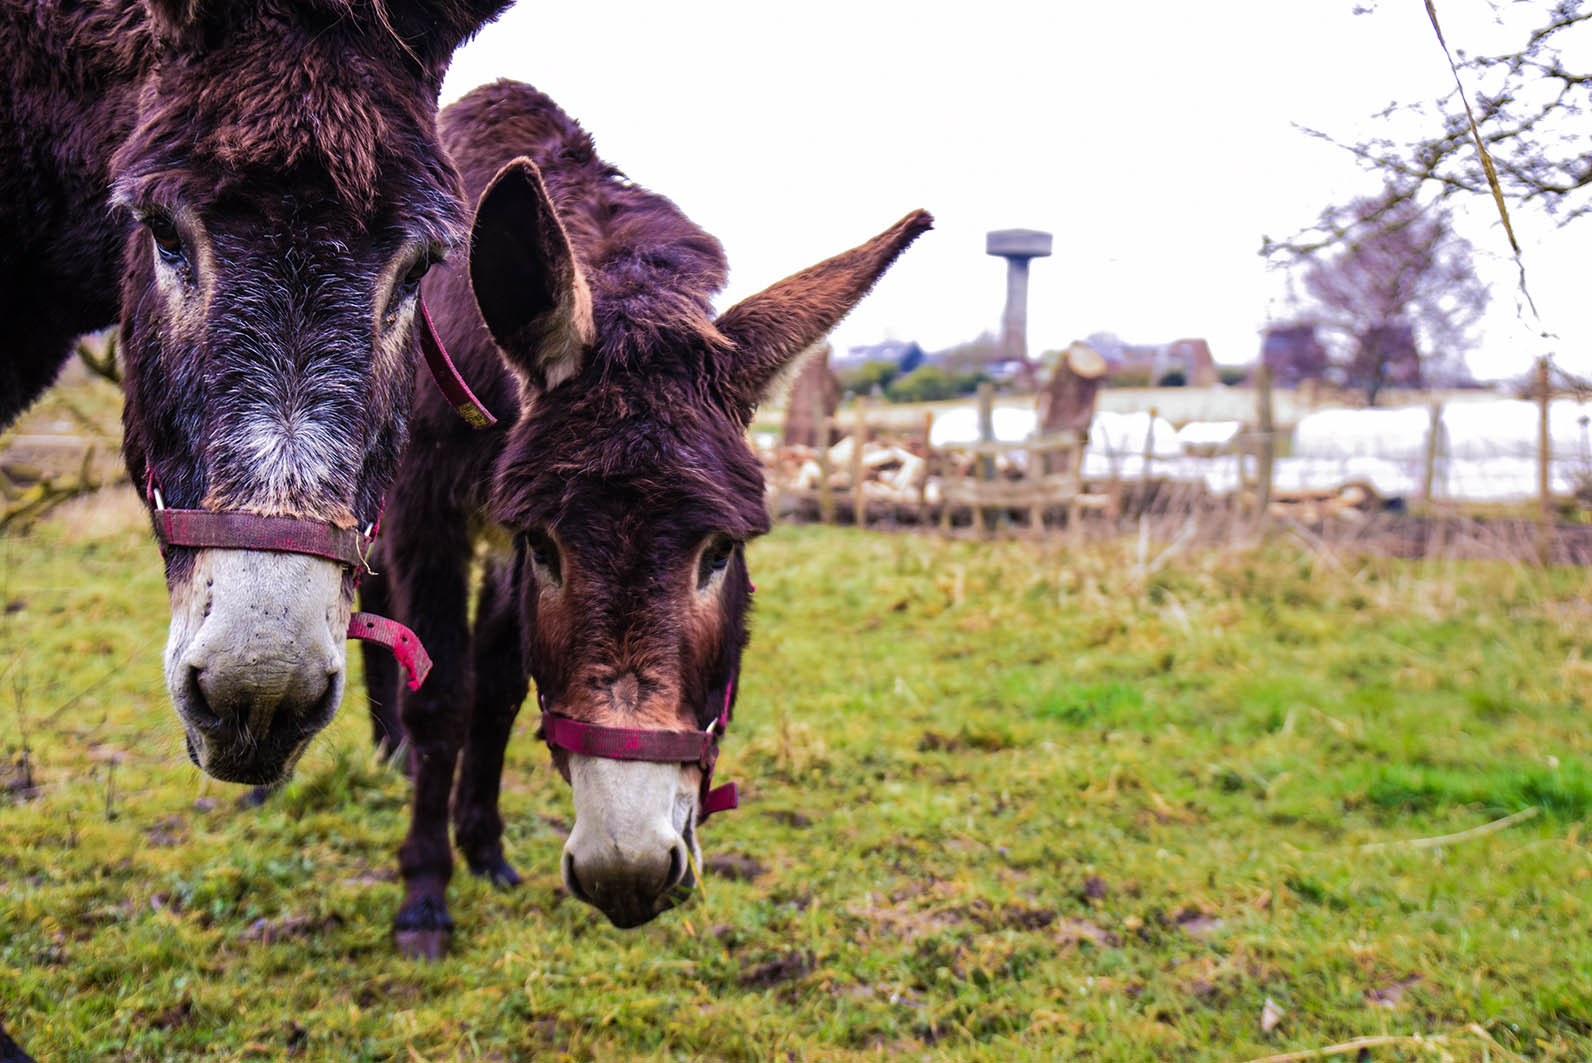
[1531, 107]
[1398, 299]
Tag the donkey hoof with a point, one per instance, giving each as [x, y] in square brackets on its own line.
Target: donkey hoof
[495, 870]
[422, 944]
[422, 929]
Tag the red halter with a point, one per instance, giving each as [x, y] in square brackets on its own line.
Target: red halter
[664, 747]
[232, 530]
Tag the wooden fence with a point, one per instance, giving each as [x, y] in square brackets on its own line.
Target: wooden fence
[1024, 486]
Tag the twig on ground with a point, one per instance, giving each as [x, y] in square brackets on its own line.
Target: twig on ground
[1465, 835]
[1190, 528]
[1430, 1042]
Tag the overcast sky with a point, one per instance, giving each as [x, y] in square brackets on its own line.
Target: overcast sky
[1154, 139]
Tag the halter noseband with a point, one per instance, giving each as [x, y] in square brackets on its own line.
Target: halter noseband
[663, 747]
[233, 530]
[237, 530]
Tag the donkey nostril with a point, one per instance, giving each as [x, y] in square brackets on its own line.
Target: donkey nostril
[197, 706]
[571, 881]
[676, 868]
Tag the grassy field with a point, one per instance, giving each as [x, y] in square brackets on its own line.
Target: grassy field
[1001, 803]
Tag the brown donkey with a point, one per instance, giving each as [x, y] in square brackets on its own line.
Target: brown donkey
[612, 515]
[258, 188]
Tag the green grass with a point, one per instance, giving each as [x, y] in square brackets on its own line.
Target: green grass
[1008, 803]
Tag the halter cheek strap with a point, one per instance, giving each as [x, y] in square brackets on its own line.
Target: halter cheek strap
[447, 375]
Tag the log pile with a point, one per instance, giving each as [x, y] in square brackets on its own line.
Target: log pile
[902, 481]
[893, 470]
[1350, 502]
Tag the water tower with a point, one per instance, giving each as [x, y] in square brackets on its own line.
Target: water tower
[1017, 247]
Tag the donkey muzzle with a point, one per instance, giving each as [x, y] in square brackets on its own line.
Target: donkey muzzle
[633, 847]
[255, 658]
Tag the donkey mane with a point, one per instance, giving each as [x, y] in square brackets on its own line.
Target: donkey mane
[264, 100]
[407, 22]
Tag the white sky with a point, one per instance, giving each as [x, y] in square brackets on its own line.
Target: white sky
[1153, 139]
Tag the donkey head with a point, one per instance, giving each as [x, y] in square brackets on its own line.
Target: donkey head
[632, 492]
[290, 192]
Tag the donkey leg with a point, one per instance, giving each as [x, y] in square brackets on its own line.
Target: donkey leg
[381, 671]
[500, 687]
[10, 1051]
[430, 571]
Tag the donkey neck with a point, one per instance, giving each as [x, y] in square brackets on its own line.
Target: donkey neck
[72, 73]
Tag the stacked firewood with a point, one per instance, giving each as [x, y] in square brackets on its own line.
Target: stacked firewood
[892, 470]
[1350, 502]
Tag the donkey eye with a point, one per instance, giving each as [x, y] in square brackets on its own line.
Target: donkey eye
[543, 554]
[715, 559]
[168, 242]
[410, 281]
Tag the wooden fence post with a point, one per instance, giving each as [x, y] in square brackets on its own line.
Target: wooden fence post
[1074, 505]
[986, 433]
[1034, 481]
[1268, 439]
[1434, 436]
[826, 496]
[1149, 454]
[1544, 456]
[859, 503]
[928, 468]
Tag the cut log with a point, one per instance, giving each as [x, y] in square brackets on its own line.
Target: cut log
[815, 377]
[1068, 402]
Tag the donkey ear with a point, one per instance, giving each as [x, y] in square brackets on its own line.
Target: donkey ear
[527, 283]
[773, 327]
[433, 29]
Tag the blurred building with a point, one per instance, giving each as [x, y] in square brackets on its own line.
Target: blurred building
[1293, 354]
[1185, 361]
[905, 355]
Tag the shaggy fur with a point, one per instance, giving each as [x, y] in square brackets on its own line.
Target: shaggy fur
[621, 495]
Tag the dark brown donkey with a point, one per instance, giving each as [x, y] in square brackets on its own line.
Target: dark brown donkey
[258, 188]
[612, 516]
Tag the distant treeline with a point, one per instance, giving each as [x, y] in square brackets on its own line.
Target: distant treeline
[929, 382]
[926, 383]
